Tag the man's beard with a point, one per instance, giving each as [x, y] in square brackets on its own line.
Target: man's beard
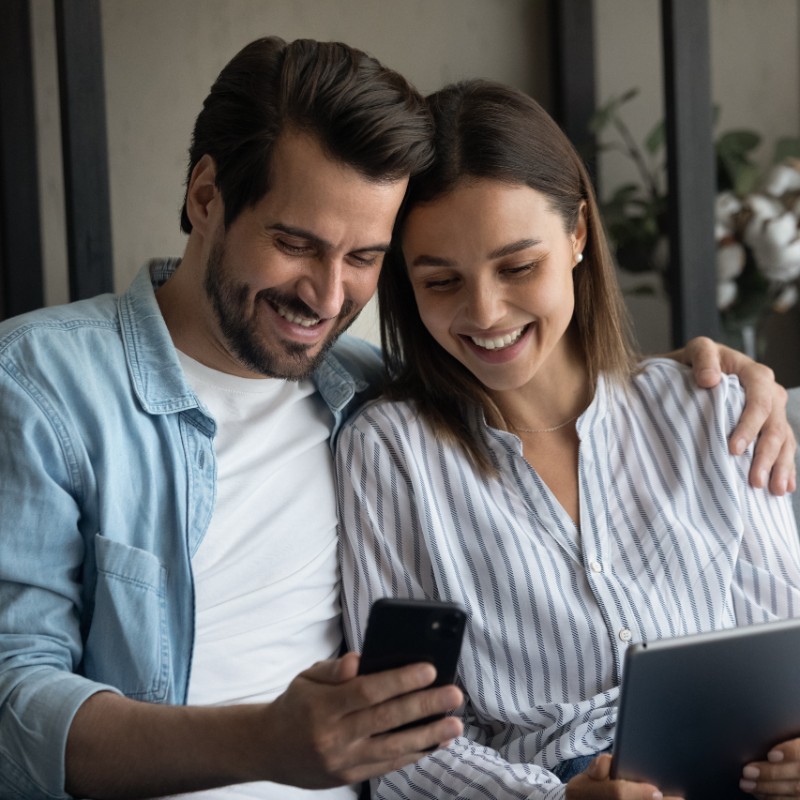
[229, 300]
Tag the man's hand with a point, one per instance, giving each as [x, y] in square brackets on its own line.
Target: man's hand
[595, 783]
[329, 728]
[776, 778]
[764, 415]
[333, 724]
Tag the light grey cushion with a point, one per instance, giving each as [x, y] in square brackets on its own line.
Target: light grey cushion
[793, 412]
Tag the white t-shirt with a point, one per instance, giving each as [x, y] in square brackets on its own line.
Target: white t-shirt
[266, 573]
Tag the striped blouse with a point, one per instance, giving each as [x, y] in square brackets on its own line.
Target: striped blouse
[672, 540]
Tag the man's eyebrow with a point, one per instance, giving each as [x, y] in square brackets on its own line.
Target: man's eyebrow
[424, 260]
[302, 233]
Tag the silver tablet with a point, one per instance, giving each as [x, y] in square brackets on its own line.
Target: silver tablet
[695, 709]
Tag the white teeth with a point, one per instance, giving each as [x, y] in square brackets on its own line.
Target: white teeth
[304, 322]
[498, 342]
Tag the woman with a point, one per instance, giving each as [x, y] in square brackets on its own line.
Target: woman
[523, 464]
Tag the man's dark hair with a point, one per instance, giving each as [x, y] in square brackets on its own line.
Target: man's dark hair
[362, 114]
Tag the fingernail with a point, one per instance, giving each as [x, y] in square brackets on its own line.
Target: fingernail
[751, 772]
[747, 786]
[763, 478]
[775, 755]
[739, 446]
[658, 796]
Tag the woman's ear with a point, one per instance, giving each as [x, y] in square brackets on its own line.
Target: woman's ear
[202, 195]
[579, 235]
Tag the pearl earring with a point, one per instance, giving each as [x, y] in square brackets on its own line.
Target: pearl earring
[579, 258]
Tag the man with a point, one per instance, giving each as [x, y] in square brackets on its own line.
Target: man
[167, 510]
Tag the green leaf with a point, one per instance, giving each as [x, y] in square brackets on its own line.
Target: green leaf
[605, 113]
[655, 139]
[737, 142]
[786, 147]
[625, 192]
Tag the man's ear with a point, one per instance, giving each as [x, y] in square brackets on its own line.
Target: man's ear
[202, 195]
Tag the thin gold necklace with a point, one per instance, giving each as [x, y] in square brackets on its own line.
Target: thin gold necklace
[546, 430]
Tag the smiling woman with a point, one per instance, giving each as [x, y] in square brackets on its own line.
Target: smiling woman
[525, 466]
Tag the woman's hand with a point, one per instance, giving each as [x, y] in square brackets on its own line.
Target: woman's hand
[764, 415]
[595, 783]
[777, 778]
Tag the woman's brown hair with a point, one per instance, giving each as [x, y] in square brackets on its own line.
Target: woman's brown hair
[491, 131]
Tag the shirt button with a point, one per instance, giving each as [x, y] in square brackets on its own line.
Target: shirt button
[596, 566]
[625, 635]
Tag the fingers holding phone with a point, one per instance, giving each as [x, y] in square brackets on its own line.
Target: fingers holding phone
[402, 632]
[331, 727]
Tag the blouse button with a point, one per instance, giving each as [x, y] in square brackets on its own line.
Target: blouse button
[625, 635]
[596, 566]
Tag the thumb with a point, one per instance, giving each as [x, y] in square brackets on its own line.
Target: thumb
[600, 768]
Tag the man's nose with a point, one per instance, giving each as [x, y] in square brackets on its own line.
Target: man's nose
[322, 289]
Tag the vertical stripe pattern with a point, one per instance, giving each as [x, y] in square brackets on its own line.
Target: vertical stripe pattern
[672, 541]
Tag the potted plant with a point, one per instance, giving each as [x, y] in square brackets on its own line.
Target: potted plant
[757, 218]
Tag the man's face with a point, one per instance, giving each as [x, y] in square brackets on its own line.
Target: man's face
[292, 273]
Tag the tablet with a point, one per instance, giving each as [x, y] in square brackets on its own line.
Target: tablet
[695, 709]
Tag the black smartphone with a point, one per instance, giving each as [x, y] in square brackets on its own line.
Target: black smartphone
[401, 632]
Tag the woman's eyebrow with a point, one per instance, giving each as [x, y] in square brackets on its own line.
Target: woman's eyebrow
[514, 247]
[424, 260]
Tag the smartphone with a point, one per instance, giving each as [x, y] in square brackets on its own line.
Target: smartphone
[401, 632]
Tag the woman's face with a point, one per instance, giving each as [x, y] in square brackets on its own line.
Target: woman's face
[491, 268]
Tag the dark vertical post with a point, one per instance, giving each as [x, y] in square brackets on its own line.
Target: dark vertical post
[21, 281]
[690, 168]
[85, 151]
[574, 99]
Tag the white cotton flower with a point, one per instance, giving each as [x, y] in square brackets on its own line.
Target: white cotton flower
[722, 232]
[782, 178]
[764, 210]
[783, 265]
[786, 298]
[726, 206]
[763, 206]
[730, 261]
[726, 294]
[781, 230]
[777, 249]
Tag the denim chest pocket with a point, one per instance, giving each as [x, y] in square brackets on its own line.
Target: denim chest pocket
[127, 646]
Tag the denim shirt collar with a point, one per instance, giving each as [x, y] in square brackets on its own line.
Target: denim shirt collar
[156, 372]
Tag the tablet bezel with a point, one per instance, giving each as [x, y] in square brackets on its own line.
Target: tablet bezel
[695, 709]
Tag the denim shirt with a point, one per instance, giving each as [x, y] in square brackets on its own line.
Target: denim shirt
[107, 485]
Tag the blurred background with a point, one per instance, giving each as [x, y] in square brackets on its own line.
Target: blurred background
[161, 56]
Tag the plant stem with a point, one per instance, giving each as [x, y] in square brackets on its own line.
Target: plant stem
[632, 149]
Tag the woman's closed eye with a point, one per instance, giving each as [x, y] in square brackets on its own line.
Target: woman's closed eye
[439, 284]
[520, 270]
